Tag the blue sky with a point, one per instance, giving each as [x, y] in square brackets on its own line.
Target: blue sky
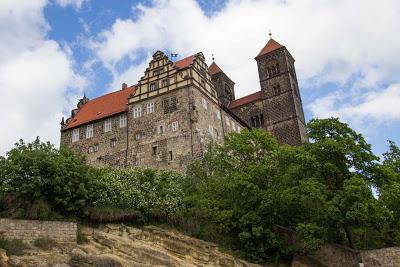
[53, 51]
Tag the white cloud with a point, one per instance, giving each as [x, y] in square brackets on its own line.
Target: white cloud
[381, 106]
[332, 41]
[74, 3]
[36, 75]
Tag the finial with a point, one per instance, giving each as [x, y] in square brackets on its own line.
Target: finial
[270, 33]
[213, 58]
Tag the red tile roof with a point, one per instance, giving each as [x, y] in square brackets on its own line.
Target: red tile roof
[185, 62]
[214, 68]
[269, 47]
[245, 100]
[102, 107]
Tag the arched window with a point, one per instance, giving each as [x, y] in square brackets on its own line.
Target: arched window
[269, 72]
[273, 70]
[277, 68]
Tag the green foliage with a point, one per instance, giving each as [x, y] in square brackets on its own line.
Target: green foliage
[13, 247]
[312, 236]
[321, 190]
[37, 172]
[259, 199]
[144, 190]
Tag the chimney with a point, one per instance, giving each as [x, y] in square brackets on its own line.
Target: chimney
[124, 86]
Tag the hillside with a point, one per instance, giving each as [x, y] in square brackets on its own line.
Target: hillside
[119, 245]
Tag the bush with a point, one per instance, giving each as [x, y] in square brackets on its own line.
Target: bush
[144, 190]
[13, 247]
[45, 243]
[36, 173]
[101, 215]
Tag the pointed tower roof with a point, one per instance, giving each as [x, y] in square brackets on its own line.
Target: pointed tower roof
[214, 69]
[269, 47]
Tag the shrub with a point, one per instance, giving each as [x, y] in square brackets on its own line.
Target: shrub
[13, 247]
[100, 215]
[145, 190]
[45, 243]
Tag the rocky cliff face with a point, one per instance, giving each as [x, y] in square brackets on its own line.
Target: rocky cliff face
[117, 246]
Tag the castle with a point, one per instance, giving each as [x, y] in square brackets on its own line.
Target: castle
[177, 108]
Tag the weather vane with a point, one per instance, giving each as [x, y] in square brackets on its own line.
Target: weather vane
[213, 58]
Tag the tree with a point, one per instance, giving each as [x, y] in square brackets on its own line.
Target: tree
[37, 173]
[340, 152]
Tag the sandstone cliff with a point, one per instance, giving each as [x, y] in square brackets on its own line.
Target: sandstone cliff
[118, 245]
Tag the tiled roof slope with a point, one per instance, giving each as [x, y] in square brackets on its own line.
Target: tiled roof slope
[269, 47]
[101, 107]
[214, 69]
[185, 62]
[245, 100]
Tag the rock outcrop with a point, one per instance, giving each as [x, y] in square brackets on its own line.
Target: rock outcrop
[120, 246]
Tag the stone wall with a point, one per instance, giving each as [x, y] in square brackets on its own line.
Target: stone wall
[385, 257]
[339, 256]
[29, 231]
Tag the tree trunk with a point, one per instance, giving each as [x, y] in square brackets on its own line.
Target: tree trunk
[349, 236]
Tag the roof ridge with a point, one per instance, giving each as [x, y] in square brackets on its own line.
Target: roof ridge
[113, 92]
[248, 95]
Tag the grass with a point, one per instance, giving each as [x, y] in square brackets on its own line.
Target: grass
[13, 247]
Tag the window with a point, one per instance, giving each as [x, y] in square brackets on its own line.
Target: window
[122, 120]
[89, 131]
[164, 82]
[203, 83]
[154, 150]
[107, 125]
[257, 121]
[204, 103]
[158, 71]
[150, 107]
[277, 89]
[170, 155]
[75, 135]
[210, 130]
[96, 147]
[90, 150]
[113, 142]
[161, 129]
[218, 113]
[153, 86]
[137, 112]
[139, 135]
[174, 126]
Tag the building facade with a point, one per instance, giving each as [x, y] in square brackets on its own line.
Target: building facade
[177, 108]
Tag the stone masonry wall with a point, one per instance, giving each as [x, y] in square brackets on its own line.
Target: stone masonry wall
[29, 231]
[385, 257]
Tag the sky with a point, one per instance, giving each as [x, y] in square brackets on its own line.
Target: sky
[54, 51]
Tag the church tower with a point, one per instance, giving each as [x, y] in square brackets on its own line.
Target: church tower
[282, 104]
[222, 84]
